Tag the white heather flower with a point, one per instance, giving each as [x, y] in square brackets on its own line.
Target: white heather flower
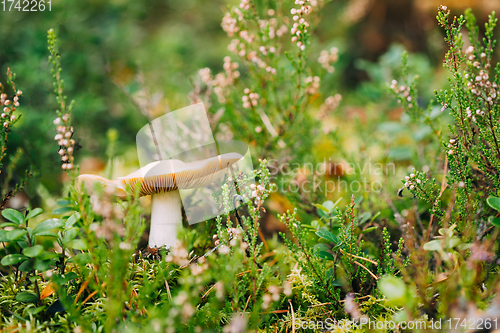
[19, 93]
[412, 187]
[125, 246]
[450, 152]
[12, 118]
[224, 249]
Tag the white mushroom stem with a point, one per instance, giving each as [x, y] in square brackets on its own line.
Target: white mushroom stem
[166, 219]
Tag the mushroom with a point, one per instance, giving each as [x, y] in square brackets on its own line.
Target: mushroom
[163, 180]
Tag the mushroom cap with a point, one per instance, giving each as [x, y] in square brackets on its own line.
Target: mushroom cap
[167, 175]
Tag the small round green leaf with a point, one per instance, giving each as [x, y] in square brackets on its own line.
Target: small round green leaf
[13, 259]
[32, 251]
[26, 297]
[33, 213]
[494, 203]
[72, 220]
[433, 245]
[34, 311]
[496, 222]
[13, 235]
[48, 225]
[393, 288]
[322, 233]
[13, 215]
[77, 244]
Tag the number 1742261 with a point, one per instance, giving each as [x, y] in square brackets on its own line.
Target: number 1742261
[25, 5]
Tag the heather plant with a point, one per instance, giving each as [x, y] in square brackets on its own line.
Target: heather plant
[269, 93]
[428, 254]
[459, 233]
[9, 162]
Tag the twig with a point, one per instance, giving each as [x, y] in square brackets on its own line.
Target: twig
[293, 315]
[358, 257]
[360, 265]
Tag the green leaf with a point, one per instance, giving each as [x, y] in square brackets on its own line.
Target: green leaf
[452, 242]
[26, 297]
[393, 288]
[495, 221]
[26, 266]
[3, 236]
[46, 255]
[323, 208]
[433, 245]
[34, 311]
[72, 220]
[61, 210]
[364, 217]
[41, 265]
[13, 235]
[325, 234]
[9, 224]
[63, 202]
[494, 203]
[326, 255]
[12, 259]
[32, 251]
[77, 244]
[47, 233]
[70, 234]
[48, 225]
[367, 230]
[13, 215]
[33, 213]
[63, 279]
[81, 259]
[329, 205]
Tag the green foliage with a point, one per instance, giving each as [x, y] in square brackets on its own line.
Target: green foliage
[340, 256]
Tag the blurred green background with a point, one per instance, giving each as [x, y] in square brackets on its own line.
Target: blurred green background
[104, 44]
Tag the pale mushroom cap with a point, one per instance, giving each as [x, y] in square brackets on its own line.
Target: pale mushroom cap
[170, 175]
[166, 175]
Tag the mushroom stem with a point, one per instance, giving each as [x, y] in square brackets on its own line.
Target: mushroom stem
[166, 217]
